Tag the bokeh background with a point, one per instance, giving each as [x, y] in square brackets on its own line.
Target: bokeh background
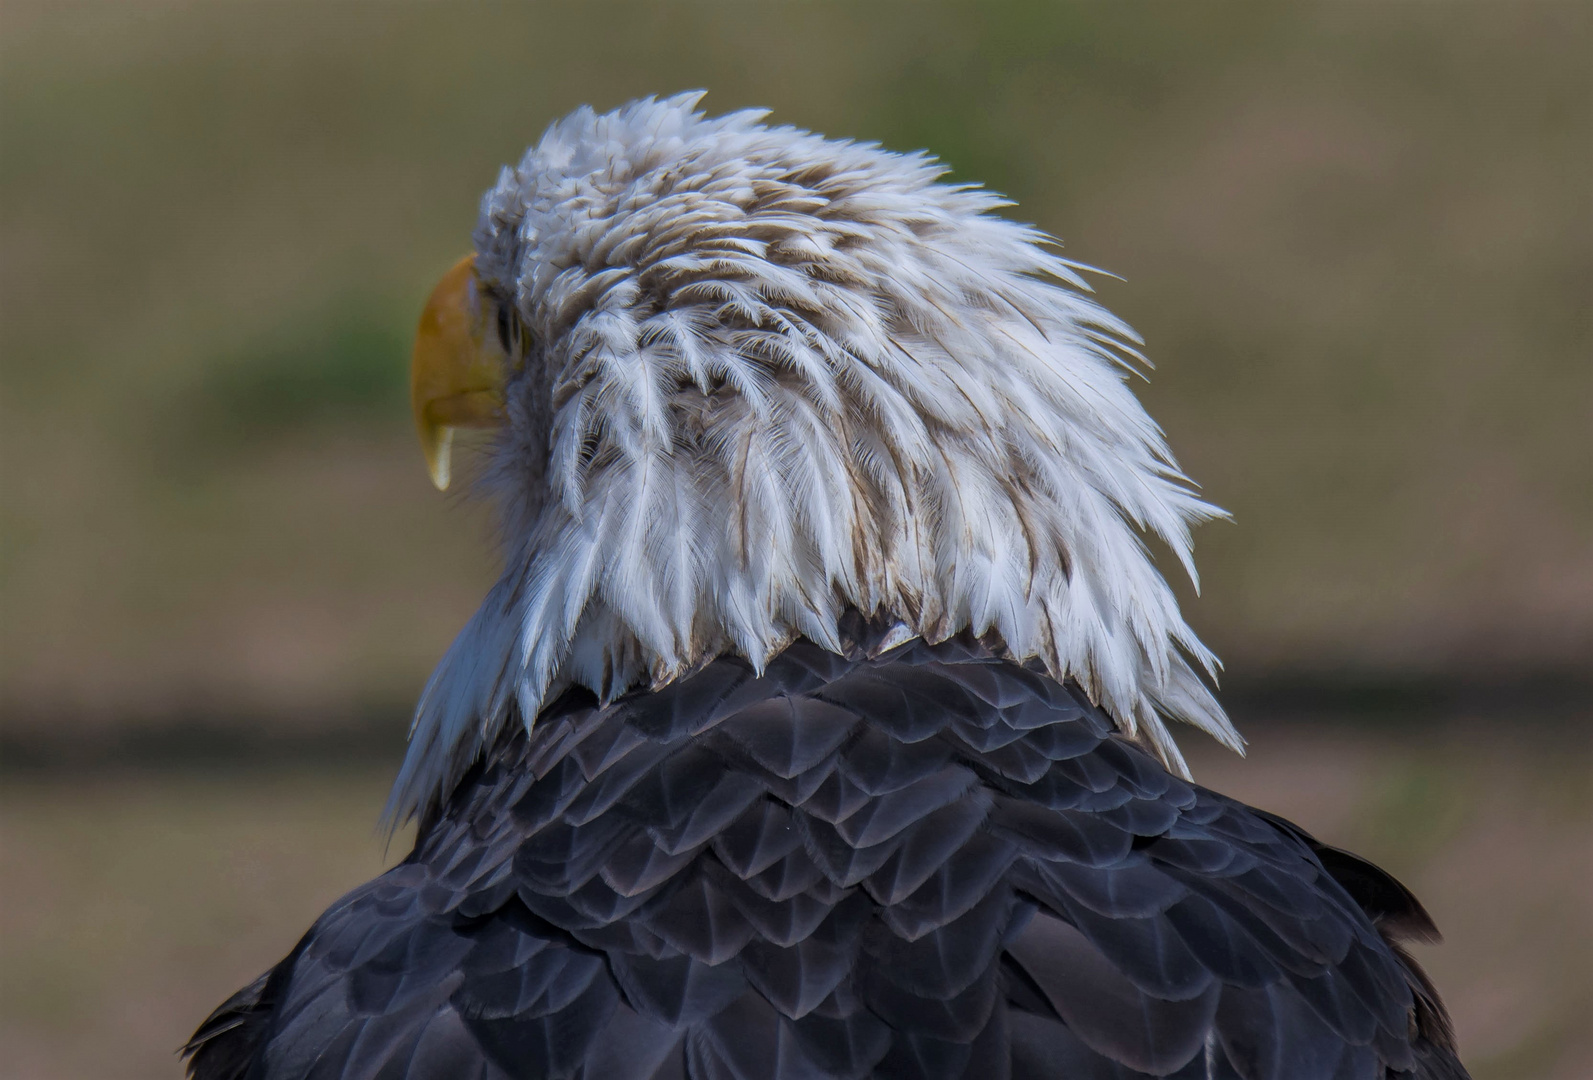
[1357, 238]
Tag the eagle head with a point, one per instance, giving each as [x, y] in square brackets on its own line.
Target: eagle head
[745, 379]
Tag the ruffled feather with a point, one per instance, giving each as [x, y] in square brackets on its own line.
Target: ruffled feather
[775, 377]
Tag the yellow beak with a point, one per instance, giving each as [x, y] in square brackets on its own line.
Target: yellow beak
[459, 368]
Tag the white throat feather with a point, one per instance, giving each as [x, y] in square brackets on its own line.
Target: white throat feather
[771, 377]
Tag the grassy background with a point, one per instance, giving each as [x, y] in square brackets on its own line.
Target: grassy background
[1356, 236]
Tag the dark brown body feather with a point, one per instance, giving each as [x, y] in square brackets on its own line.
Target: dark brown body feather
[935, 863]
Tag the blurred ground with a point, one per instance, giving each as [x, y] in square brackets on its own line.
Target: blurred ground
[135, 901]
[1356, 236]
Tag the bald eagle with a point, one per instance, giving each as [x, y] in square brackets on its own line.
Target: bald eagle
[818, 723]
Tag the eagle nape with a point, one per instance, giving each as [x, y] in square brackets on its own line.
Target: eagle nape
[819, 723]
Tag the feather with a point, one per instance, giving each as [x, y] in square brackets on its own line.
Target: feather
[830, 871]
[787, 376]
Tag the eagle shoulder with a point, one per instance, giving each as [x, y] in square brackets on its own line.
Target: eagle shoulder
[930, 862]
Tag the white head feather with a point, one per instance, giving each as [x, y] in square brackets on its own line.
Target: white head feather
[772, 377]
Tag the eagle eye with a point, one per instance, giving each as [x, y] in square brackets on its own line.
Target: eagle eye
[508, 329]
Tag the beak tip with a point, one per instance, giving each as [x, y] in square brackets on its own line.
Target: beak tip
[438, 448]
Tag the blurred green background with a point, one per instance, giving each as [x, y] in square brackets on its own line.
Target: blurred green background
[1357, 237]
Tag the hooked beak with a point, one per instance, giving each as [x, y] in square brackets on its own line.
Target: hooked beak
[459, 368]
